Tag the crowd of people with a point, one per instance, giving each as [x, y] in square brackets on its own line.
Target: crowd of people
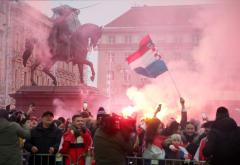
[110, 139]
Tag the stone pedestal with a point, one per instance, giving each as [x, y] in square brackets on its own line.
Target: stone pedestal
[62, 100]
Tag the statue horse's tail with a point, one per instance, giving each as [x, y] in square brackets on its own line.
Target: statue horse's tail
[29, 45]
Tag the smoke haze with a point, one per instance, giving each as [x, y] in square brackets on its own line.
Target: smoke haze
[216, 68]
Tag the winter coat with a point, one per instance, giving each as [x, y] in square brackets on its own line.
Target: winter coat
[155, 150]
[10, 132]
[223, 143]
[75, 146]
[179, 154]
[199, 153]
[110, 149]
[43, 139]
[190, 142]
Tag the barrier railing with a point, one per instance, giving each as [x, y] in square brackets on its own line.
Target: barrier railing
[60, 159]
[143, 161]
[46, 159]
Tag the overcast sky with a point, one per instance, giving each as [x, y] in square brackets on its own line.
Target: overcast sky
[102, 12]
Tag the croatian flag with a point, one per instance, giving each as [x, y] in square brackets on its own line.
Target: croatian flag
[146, 61]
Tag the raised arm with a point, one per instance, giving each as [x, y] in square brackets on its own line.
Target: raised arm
[22, 132]
[183, 121]
[157, 110]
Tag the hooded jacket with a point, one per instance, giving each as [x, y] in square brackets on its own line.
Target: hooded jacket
[223, 141]
[110, 149]
[10, 132]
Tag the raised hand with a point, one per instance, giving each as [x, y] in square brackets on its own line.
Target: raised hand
[51, 150]
[34, 149]
[182, 101]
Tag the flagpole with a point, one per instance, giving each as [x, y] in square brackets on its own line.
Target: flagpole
[174, 83]
[171, 77]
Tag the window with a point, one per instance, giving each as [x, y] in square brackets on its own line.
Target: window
[128, 39]
[111, 56]
[111, 40]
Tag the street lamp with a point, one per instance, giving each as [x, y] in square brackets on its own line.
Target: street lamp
[7, 28]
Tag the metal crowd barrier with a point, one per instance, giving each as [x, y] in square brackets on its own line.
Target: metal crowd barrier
[45, 159]
[142, 161]
[59, 159]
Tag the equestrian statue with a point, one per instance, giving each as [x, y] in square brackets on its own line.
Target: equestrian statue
[68, 41]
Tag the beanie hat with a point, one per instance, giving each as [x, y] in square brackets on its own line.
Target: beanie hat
[47, 113]
[101, 112]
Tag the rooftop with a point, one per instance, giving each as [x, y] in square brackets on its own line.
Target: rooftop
[156, 15]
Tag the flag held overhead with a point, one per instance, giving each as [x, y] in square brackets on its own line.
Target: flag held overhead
[145, 61]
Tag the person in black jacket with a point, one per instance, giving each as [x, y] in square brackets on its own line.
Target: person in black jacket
[223, 141]
[190, 137]
[45, 139]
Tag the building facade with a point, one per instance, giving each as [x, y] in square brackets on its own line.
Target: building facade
[19, 21]
[170, 28]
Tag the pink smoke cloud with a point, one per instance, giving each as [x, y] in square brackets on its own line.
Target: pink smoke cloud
[215, 76]
[61, 110]
[37, 27]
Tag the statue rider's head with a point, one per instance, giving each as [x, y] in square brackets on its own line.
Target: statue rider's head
[64, 10]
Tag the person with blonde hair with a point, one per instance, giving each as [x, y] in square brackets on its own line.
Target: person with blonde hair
[175, 148]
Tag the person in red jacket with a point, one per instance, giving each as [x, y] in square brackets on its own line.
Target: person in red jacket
[76, 142]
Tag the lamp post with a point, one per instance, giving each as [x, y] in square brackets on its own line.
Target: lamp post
[109, 79]
[6, 60]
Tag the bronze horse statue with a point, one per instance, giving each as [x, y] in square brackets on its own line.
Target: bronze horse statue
[68, 41]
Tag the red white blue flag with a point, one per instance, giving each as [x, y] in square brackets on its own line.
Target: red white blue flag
[146, 61]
